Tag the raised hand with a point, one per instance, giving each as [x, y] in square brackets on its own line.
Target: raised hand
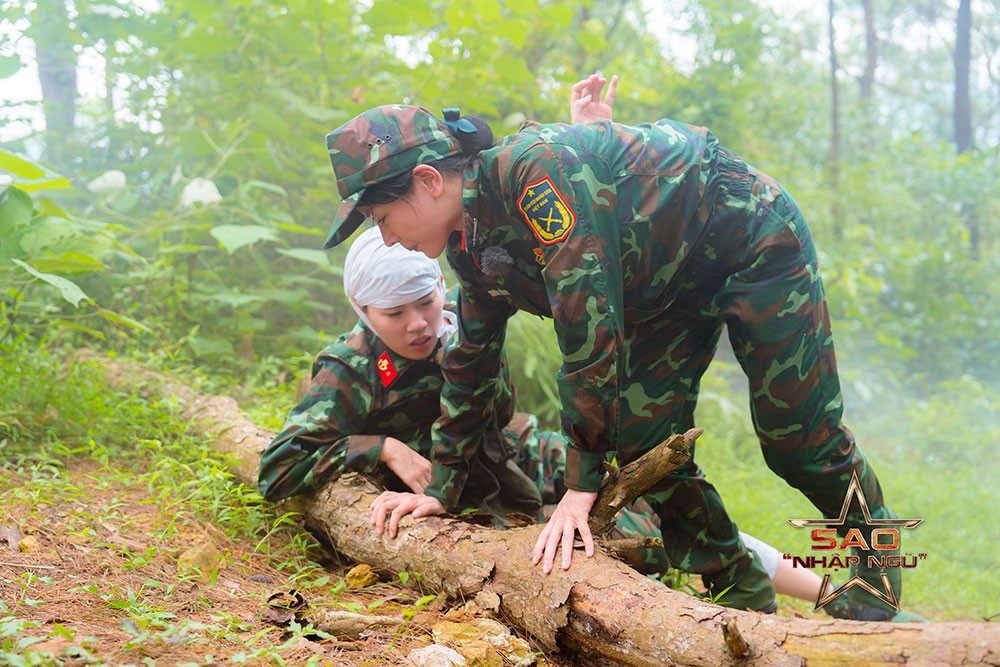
[585, 102]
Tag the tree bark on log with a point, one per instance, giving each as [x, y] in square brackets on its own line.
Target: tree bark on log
[599, 610]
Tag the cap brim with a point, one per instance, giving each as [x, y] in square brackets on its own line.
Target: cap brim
[345, 222]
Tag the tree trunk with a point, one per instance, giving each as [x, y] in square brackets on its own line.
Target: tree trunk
[871, 52]
[836, 212]
[54, 40]
[963, 107]
[599, 610]
[963, 56]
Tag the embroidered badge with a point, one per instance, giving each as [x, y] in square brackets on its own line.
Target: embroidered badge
[386, 369]
[546, 211]
[540, 256]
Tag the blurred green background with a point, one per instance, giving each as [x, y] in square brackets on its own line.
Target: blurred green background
[165, 191]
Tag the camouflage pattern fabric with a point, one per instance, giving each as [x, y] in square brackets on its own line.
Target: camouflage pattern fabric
[325, 435]
[340, 424]
[641, 243]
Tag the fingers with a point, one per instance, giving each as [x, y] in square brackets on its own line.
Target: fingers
[389, 509]
[594, 83]
[551, 544]
[588, 539]
[609, 99]
[392, 506]
[398, 513]
[536, 553]
[379, 510]
[557, 532]
[427, 507]
[567, 547]
[542, 549]
[420, 480]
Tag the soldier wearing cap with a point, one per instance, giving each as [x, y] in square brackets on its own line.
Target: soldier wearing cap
[641, 243]
[375, 394]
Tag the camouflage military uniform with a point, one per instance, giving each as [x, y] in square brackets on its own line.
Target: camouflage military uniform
[339, 426]
[641, 243]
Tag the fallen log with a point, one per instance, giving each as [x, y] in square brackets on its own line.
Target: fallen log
[599, 610]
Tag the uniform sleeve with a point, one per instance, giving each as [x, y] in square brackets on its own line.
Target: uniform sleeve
[584, 285]
[476, 388]
[323, 436]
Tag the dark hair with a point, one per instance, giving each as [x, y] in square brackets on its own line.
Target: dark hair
[398, 187]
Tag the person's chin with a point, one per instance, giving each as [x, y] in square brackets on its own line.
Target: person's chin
[433, 252]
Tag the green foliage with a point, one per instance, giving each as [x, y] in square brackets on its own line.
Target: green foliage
[534, 356]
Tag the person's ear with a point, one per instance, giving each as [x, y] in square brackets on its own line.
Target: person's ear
[427, 177]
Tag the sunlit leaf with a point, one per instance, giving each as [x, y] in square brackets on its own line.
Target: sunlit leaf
[68, 262]
[264, 185]
[56, 183]
[396, 18]
[300, 229]
[123, 320]
[48, 207]
[76, 326]
[67, 288]
[318, 257]
[234, 237]
[19, 166]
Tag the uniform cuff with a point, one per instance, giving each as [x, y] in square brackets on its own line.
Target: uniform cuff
[584, 470]
[446, 486]
[363, 452]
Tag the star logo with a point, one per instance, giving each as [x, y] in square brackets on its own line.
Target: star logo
[854, 491]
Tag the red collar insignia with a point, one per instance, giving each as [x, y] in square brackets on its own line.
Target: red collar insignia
[386, 369]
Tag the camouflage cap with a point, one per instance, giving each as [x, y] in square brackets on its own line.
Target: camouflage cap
[381, 143]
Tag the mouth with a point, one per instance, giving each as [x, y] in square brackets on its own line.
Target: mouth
[421, 342]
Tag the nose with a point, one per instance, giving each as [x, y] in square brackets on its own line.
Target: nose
[417, 323]
[388, 237]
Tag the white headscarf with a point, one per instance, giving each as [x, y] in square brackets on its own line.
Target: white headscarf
[391, 276]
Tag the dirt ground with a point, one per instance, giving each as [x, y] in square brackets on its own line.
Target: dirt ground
[100, 576]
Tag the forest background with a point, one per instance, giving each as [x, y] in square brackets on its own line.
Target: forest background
[165, 192]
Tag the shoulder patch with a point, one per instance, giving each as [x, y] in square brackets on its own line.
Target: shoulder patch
[546, 211]
[386, 369]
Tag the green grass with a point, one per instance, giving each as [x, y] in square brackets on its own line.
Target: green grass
[936, 461]
[86, 467]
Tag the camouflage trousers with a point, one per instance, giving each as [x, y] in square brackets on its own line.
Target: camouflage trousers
[756, 274]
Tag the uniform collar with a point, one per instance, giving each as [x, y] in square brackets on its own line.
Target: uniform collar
[473, 230]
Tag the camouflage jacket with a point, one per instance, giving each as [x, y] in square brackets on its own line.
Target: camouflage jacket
[360, 393]
[589, 225]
